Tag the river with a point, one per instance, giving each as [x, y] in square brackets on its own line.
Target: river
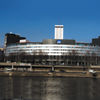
[49, 88]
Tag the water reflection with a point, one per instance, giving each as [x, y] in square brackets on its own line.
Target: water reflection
[49, 88]
[52, 89]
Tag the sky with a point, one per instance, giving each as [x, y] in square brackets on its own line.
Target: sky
[35, 19]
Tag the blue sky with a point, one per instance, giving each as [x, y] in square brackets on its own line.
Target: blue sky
[35, 19]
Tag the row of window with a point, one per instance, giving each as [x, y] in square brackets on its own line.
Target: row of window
[52, 49]
[50, 46]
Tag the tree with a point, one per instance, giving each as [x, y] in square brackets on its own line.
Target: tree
[93, 58]
[87, 58]
[73, 57]
[40, 56]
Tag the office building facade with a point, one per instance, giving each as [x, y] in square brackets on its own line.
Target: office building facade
[59, 31]
[54, 52]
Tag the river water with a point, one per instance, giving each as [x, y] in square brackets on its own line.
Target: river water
[49, 88]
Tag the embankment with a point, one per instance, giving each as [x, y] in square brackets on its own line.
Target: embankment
[48, 70]
[51, 74]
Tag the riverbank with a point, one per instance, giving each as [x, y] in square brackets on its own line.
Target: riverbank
[51, 74]
[28, 70]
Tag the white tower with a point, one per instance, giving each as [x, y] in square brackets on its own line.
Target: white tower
[59, 31]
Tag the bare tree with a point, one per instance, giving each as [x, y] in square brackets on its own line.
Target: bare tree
[87, 58]
[93, 58]
[40, 56]
[73, 57]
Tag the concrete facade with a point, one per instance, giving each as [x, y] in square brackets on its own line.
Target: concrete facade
[59, 31]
